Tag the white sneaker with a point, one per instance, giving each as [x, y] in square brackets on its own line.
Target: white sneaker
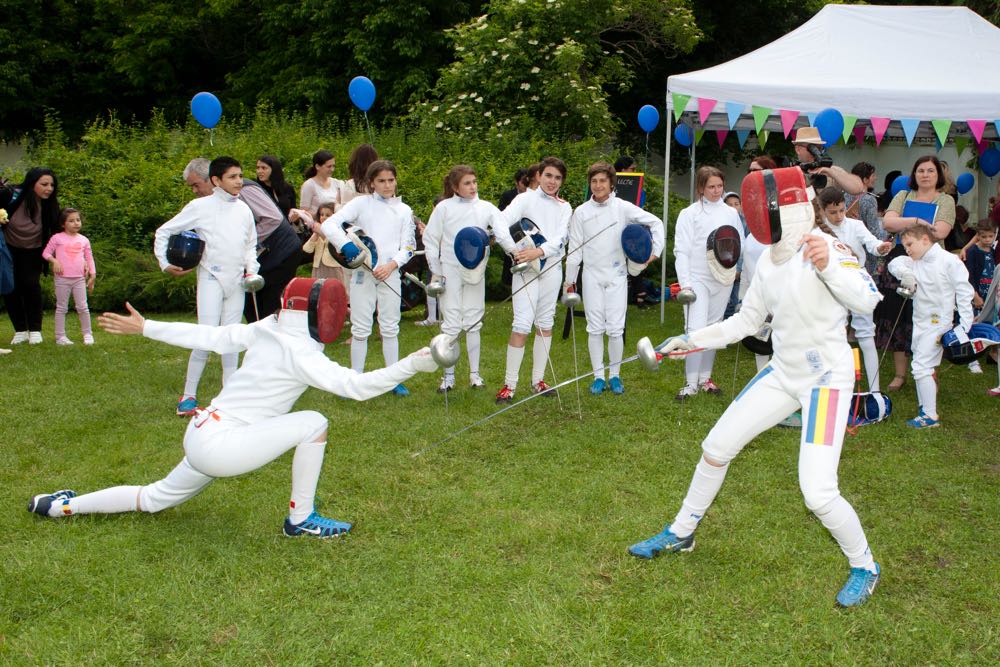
[34, 337]
[975, 368]
[686, 392]
[476, 381]
[88, 339]
[447, 384]
[19, 337]
[428, 323]
[4, 350]
[63, 341]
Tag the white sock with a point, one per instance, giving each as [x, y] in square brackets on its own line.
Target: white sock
[706, 361]
[229, 364]
[927, 395]
[842, 521]
[869, 354]
[539, 358]
[692, 367]
[390, 350]
[359, 350]
[106, 501]
[705, 485]
[472, 347]
[450, 372]
[595, 344]
[432, 308]
[514, 357]
[307, 463]
[196, 366]
[616, 346]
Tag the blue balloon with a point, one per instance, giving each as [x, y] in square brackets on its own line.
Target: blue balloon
[362, 92]
[684, 135]
[206, 109]
[965, 182]
[902, 182]
[989, 162]
[649, 118]
[830, 124]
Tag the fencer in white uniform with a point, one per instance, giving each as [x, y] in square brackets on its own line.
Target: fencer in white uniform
[389, 223]
[855, 235]
[599, 221]
[694, 224]
[535, 304]
[942, 287]
[808, 284]
[463, 303]
[249, 424]
[227, 226]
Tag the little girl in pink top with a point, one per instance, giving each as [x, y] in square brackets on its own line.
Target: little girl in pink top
[73, 265]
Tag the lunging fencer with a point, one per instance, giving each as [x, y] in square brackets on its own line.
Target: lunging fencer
[808, 281]
[456, 245]
[249, 424]
[606, 268]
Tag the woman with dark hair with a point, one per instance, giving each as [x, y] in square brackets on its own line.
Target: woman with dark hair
[864, 207]
[33, 217]
[271, 177]
[320, 186]
[361, 158]
[762, 162]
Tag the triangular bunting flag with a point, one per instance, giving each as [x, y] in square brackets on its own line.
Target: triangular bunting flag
[705, 106]
[859, 135]
[910, 126]
[721, 136]
[788, 119]
[879, 126]
[742, 135]
[762, 138]
[981, 146]
[680, 103]
[760, 115]
[849, 122]
[996, 124]
[937, 144]
[698, 134]
[961, 143]
[734, 110]
[976, 127]
[941, 128]
[812, 119]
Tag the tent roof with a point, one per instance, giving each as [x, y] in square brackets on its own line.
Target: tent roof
[896, 62]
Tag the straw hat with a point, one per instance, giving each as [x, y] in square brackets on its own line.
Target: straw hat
[808, 135]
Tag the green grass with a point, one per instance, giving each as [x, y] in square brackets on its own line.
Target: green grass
[503, 546]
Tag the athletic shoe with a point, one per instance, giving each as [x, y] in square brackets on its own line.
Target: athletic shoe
[317, 526]
[62, 340]
[34, 337]
[793, 420]
[686, 391]
[995, 391]
[41, 503]
[4, 350]
[476, 381]
[975, 368]
[616, 385]
[709, 387]
[923, 421]
[400, 390]
[505, 395]
[664, 541]
[428, 323]
[88, 339]
[544, 389]
[187, 406]
[859, 587]
[19, 337]
[447, 384]
[598, 386]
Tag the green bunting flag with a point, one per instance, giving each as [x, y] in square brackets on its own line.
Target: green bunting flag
[849, 122]
[941, 128]
[961, 143]
[680, 103]
[760, 115]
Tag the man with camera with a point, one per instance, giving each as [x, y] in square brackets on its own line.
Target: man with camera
[813, 160]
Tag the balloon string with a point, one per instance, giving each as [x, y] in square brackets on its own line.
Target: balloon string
[645, 157]
[211, 136]
[371, 138]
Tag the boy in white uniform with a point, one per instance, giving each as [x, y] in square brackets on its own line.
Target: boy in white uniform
[808, 284]
[463, 303]
[535, 305]
[599, 222]
[249, 424]
[389, 223]
[227, 226]
[941, 284]
[855, 235]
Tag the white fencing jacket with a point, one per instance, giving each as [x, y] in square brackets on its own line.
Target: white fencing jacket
[451, 216]
[694, 224]
[942, 287]
[389, 223]
[602, 224]
[551, 214]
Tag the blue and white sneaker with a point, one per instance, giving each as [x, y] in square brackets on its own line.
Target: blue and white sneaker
[616, 385]
[317, 526]
[859, 587]
[923, 421]
[598, 386]
[664, 541]
[41, 503]
[400, 390]
[187, 406]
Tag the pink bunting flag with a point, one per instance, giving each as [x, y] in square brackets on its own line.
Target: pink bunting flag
[879, 126]
[721, 136]
[859, 135]
[982, 145]
[976, 127]
[705, 106]
[788, 119]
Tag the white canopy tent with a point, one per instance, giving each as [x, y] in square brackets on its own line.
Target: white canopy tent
[899, 62]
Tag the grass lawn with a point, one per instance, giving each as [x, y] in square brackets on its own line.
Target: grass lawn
[505, 545]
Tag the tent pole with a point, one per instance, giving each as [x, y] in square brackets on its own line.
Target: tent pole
[694, 152]
[666, 208]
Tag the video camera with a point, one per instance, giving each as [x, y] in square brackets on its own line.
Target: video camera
[820, 159]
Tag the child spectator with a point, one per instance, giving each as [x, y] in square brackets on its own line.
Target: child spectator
[979, 260]
[72, 263]
[324, 265]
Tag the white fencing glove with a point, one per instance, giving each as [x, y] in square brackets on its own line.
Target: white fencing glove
[677, 344]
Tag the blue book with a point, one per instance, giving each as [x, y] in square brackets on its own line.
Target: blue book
[919, 209]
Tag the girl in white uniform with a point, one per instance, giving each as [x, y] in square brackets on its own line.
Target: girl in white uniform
[464, 300]
[694, 224]
[597, 226]
[389, 223]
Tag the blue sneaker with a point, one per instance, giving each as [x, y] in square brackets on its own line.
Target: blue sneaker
[41, 503]
[317, 526]
[400, 390]
[663, 541]
[597, 386]
[616, 386]
[923, 421]
[187, 406]
[859, 587]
